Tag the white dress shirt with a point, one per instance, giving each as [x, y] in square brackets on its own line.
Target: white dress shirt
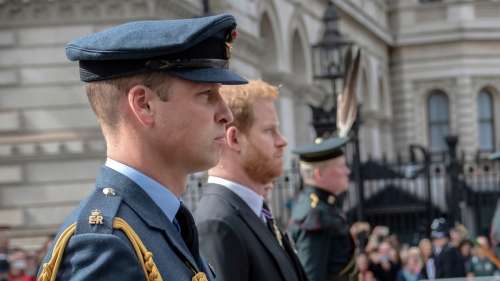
[250, 197]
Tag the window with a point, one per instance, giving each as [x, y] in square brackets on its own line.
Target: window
[439, 120]
[485, 121]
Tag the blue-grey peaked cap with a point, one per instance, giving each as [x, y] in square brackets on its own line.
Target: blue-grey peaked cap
[195, 49]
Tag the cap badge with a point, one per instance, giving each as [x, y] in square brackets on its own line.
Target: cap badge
[318, 140]
[230, 37]
[96, 217]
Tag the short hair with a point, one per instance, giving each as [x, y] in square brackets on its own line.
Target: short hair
[105, 95]
[240, 100]
[307, 169]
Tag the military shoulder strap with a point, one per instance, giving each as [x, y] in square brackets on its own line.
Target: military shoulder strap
[98, 216]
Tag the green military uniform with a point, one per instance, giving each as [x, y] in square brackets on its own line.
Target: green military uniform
[318, 226]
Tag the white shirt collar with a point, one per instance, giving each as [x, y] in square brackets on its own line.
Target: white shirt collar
[253, 200]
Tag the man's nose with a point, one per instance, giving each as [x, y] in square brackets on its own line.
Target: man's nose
[223, 114]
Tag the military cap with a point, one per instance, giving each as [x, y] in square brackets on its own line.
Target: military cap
[195, 49]
[321, 150]
[495, 156]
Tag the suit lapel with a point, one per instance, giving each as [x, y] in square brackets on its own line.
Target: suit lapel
[145, 208]
[258, 228]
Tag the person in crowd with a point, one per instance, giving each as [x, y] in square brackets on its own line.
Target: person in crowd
[363, 266]
[465, 249]
[458, 234]
[378, 235]
[448, 261]
[19, 266]
[154, 87]
[480, 265]
[385, 268]
[241, 238]
[324, 241]
[4, 244]
[4, 268]
[411, 267]
[428, 267]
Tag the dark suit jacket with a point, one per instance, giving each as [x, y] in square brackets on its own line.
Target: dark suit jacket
[238, 244]
[98, 252]
[449, 263]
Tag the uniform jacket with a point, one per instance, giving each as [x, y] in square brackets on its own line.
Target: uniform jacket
[322, 237]
[449, 263]
[98, 252]
[238, 244]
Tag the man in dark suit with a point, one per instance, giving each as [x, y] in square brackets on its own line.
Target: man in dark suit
[240, 238]
[153, 86]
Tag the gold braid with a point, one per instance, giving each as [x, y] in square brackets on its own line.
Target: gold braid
[49, 270]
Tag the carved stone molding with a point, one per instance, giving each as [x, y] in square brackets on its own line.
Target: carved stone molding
[478, 83]
[50, 146]
[447, 85]
[31, 12]
[297, 87]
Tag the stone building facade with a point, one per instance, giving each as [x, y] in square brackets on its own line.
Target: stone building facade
[51, 147]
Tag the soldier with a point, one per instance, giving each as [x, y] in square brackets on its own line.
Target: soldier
[240, 237]
[153, 86]
[318, 226]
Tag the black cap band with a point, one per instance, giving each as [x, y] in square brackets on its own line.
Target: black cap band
[104, 70]
[322, 156]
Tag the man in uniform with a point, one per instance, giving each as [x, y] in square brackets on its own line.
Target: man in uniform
[240, 238]
[318, 226]
[448, 261]
[154, 87]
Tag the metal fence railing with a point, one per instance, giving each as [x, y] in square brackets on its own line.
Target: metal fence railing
[405, 199]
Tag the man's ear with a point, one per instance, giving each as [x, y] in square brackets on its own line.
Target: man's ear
[317, 174]
[233, 138]
[139, 102]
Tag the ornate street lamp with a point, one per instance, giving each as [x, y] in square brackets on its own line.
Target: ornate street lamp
[331, 56]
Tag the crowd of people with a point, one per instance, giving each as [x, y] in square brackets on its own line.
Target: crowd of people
[18, 264]
[380, 257]
[448, 253]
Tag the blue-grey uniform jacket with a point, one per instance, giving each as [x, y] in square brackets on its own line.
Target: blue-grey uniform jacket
[99, 252]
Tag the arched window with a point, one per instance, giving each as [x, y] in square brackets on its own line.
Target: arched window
[438, 114]
[485, 121]
[298, 57]
[269, 57]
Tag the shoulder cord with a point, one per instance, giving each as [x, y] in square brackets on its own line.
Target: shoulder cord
[49, 270]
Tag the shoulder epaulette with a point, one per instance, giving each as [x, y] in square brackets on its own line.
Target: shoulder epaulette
[98, 216]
